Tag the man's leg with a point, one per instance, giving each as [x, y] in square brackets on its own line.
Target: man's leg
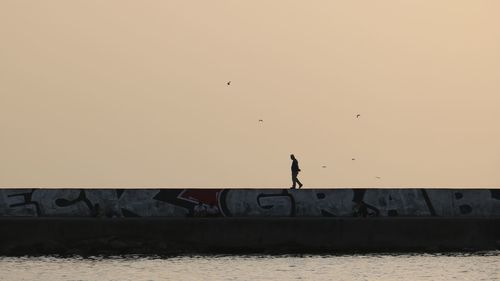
[294, 181]
[297, 180]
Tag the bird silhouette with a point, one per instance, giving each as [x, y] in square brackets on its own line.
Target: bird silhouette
[323, 166]
[357, 116]
[353, 159]
[228, 83]
[261, 120]
[378, 177]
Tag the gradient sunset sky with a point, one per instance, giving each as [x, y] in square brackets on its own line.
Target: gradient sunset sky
[134, 93]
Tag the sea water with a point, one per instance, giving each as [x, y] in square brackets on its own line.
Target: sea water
[407, 267]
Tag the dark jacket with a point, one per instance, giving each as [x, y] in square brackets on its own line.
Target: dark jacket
[295, 166]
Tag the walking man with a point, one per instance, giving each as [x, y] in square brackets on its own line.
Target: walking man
[295, 172]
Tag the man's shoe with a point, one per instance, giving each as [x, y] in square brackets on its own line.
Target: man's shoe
[300, 185]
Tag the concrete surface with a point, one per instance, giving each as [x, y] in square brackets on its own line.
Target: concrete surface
[90, 236]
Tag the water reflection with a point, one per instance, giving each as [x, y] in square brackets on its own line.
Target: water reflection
[441, 266]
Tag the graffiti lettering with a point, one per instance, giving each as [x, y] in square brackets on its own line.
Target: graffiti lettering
[249, 202]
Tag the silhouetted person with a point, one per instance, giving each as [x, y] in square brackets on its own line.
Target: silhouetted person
[295, 172]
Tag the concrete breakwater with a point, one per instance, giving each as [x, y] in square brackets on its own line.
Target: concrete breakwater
[91, 236]
[339, 202]
[171, 221]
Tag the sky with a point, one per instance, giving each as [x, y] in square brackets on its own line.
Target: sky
[133, 93]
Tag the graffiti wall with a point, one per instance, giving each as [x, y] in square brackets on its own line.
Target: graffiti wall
[249, 202]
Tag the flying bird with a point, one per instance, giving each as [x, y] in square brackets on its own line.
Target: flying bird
[378, 177]
[228, 83]
[323, 166]
[261, 120]
[353, 159]
[357, 116]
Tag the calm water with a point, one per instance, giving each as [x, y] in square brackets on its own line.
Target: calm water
[484, 266]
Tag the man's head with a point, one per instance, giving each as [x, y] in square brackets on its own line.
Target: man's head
[292, 157]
